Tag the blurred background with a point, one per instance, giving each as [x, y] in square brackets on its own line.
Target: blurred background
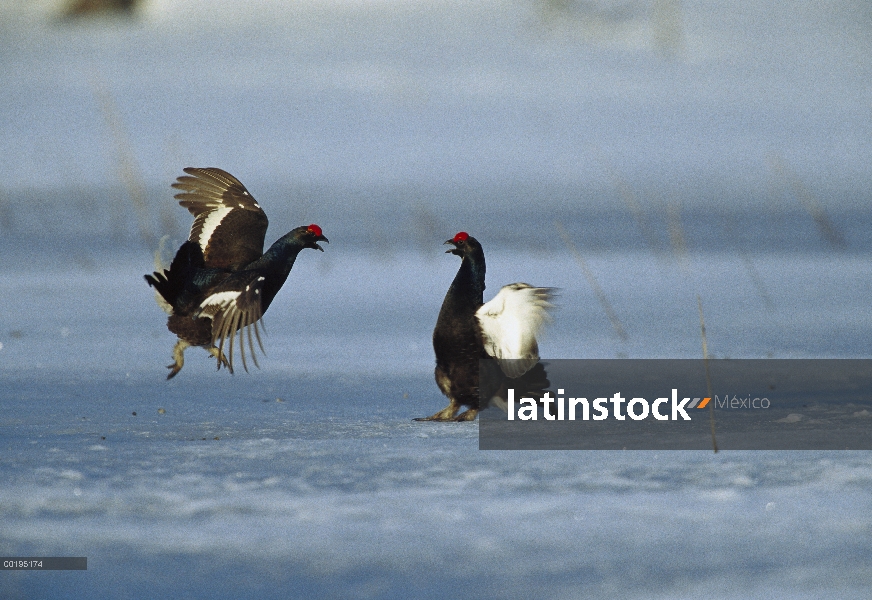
[663, 125]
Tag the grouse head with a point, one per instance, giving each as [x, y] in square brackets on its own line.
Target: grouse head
[464, 245]
[310, 236]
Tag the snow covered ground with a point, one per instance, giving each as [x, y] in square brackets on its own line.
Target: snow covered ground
[308, 477]
[730, 160]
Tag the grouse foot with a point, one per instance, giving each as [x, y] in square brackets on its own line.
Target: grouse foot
[178, 358]
[467, 415]
[222, 360]
[448, 414]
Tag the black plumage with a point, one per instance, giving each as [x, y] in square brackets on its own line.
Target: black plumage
[220, 281]
[502, 333]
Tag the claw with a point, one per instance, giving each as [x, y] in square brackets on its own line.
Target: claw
[446, 414]
[222, 360]
[178, 357]
[175, 369]
[467, 415]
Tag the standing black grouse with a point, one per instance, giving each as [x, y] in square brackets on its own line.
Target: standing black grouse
[220, 281]
[504, 330]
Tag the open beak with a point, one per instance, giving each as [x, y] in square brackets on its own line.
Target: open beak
[452, 242]
[320, 238]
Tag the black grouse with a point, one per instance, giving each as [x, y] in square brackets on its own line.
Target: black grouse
[504, 331]
[221, 282]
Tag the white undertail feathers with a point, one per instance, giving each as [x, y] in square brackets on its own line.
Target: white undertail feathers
[510, 324]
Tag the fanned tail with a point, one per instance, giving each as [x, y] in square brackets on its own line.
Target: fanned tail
[171, 283]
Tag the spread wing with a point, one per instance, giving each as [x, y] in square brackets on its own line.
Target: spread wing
[510, 324]
[229, 225]
[235, 306]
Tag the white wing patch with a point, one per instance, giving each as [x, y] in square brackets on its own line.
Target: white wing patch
[235, 313]
[510, 324]
[211, 223]
[216, 302]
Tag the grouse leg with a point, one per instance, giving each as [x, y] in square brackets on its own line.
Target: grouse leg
[446, 414]
[467, 415]
[222, 360]
[178, 358]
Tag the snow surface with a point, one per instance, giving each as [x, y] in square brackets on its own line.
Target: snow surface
[308, 477]
[731, 161]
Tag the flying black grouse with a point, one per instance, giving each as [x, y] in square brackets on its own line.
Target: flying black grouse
[504, 330]
[220, 281]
